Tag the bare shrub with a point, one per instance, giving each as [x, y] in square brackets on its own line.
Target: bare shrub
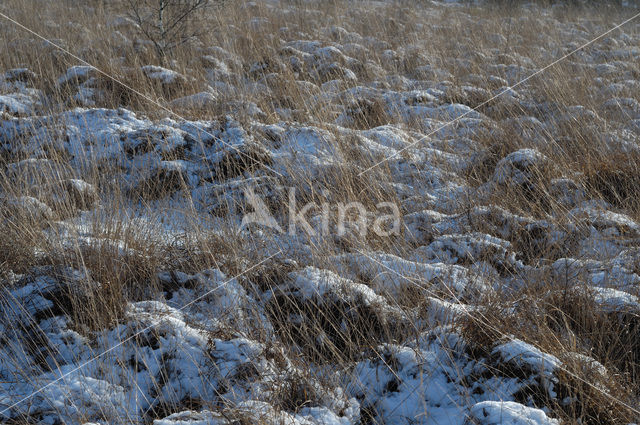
[169, 24]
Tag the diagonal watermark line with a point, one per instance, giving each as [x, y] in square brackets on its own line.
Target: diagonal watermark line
[91, 360]
[131, 89]
[447, 124]
[485, 322]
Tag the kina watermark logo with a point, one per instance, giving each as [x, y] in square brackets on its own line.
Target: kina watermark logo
[260, 215]
[322, 219]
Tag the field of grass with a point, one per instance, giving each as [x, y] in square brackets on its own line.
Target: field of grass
[320, 212]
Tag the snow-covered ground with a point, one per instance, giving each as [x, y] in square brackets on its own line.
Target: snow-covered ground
[217, 347]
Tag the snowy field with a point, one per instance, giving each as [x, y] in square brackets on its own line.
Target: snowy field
[321, 213]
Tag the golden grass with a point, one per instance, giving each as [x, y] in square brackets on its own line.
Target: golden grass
[464, 46]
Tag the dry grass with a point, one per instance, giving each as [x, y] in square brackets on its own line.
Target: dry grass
[616, 179]
[126, 261]
[564, 322]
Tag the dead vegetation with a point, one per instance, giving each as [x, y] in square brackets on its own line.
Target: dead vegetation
[598, 350]
[243, 57]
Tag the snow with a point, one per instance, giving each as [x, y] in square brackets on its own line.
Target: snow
[16, 104]
[526, 355]
[519, 167]
[205, 347]
[613, 300]
[163, 75]
[189, 417]
[313, 283]
[19, 74]
[195, 101]
[28, 207]
[421, 386]
[509, 413]
[77, 74]
[469, 248]
[392, 275]
[444, 313]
